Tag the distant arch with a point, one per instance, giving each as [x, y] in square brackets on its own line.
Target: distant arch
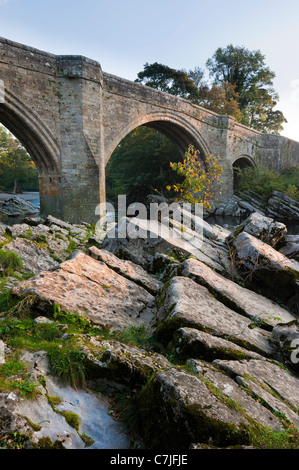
[244, 161]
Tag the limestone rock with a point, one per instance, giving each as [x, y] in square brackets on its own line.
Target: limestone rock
[34, 221]
[184, 303]
[282, 206]
[3, 228]
[50, 220]
[122, 363]
[84, 285]
[39, 232]
[264, 394]
[18, 230]
[233, 391]
[139, 240]
[130, 270]
[285, 337]
[264, 228]
[268, 375]
[290, 247]
[47, 421]
[186, 410]
[2, 352]
[58, 246]
[35, 258]
[9, 420]
[244, 301]
[15, 206]
[192, 343]
[270, 268]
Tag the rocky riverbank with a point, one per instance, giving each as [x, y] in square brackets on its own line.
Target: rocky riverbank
[279, 206]
[173, 342]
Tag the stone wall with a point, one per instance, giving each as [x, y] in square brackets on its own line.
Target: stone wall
[277, 152]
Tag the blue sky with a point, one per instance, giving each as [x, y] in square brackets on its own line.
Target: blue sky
[125, 34]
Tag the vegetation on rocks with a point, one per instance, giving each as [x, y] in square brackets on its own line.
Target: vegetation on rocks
[264, 182]
[10, 261]
[152, 385]
[201, 178]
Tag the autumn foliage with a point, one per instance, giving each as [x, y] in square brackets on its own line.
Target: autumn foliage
[201, 178]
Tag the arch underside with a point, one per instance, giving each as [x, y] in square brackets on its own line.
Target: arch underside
[178, 130]
[244, 161]
[32, 133]
[176, 134]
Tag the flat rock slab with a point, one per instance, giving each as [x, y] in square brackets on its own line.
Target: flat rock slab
[138, 239]
[187, 411]
[83, 285]
[184, 303]
[122, 363]
[210, 250]
[18, 230]
[94, 420]
[273, 403]
[233, 391]
[192, 343]
[91, 410]
[130, 270]
[35, 258]
[285, 338]
[244, 301]
[267, 374]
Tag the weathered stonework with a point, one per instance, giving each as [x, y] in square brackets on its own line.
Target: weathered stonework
[70, 116]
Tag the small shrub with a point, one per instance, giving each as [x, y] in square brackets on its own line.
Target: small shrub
[27, 389]
[201, 178]
[10, 261]
[69, 365]
[264, 438]
[13, 440]
[264, 181]
[7, 301]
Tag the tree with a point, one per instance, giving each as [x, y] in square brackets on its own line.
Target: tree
[201, 179]
[191, 85]
[17, 170]
[223, 100]
[172, 81]
[242, 86]
[253, 81]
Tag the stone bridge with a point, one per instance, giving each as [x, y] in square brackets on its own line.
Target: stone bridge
[70, 116]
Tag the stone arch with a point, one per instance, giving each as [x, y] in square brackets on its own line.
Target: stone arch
[41, 145]
[33, 134]
[176, 128]
[243, 161]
